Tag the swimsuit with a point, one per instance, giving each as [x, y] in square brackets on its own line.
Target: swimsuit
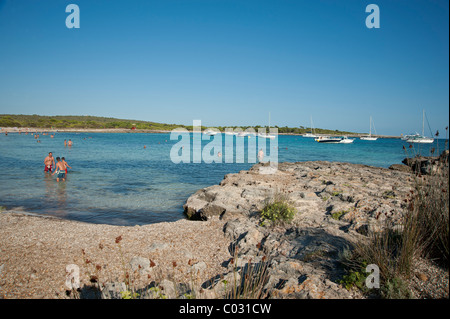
[48, 168]
[61, 174]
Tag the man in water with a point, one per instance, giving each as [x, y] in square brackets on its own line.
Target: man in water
[49, 162]
[60, 169]
[69, 143]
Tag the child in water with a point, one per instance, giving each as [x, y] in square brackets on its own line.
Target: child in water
[63, 160]
[60, 169]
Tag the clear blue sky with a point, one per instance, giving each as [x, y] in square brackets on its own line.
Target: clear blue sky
[230, 62]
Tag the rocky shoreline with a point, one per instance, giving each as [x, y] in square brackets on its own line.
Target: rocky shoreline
[336, 204]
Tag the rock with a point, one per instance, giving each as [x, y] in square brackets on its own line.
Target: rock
[113, 290]
[301, 259]
[157, 246]
[168, 289]
[422, 276]
[198, 267]
[400, 167]
[140, 265]
[427, 164]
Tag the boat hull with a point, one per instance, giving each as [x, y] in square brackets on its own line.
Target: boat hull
[368, 138]
[421, 141]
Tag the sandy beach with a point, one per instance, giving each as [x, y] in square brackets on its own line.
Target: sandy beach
[35, 250]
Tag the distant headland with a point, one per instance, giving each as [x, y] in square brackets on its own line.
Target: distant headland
[74, 123]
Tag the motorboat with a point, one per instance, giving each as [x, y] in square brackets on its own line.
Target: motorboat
[420, 139]
[334, 140]
[346, 140]
[328, 139]
[210, 132]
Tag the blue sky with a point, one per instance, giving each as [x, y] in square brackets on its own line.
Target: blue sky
[230, 62]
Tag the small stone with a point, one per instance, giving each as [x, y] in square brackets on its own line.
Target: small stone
[157, 246]
[422, 276]
[140, 264]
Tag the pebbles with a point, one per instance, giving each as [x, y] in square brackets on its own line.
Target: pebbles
[35, 251]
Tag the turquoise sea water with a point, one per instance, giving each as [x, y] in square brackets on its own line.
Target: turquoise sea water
[115, 180]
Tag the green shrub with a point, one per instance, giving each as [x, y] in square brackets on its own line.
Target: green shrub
[339, 214]
[355, 278]
[278, 210]
[396, 288]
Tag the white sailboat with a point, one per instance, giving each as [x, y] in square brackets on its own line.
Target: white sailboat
[264, 135]
[370, 137]
[312, 133]
[417, 138]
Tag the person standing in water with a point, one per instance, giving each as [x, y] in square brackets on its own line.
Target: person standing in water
[69, 143]
[261, 155]
[63, 160]
[60, 169]
[49, 162]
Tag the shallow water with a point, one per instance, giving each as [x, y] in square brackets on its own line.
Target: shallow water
[115, 180]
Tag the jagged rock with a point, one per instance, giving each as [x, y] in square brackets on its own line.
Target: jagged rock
[337, 205]
[426, 164]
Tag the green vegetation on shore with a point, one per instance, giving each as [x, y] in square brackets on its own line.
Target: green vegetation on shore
[95, 122]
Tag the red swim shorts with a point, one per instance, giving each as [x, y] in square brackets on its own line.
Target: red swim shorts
[48, 168]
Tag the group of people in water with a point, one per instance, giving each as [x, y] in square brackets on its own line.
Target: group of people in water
[60, 166]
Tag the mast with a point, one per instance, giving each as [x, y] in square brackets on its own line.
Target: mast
[423, 123]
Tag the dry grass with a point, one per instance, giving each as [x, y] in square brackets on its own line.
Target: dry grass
[424, 232]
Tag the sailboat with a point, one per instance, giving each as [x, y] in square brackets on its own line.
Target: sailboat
[370, 137]
[264, 135]
[312, 133]
[417, 138]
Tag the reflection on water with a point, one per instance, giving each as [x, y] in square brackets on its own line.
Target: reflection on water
[55, 197]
